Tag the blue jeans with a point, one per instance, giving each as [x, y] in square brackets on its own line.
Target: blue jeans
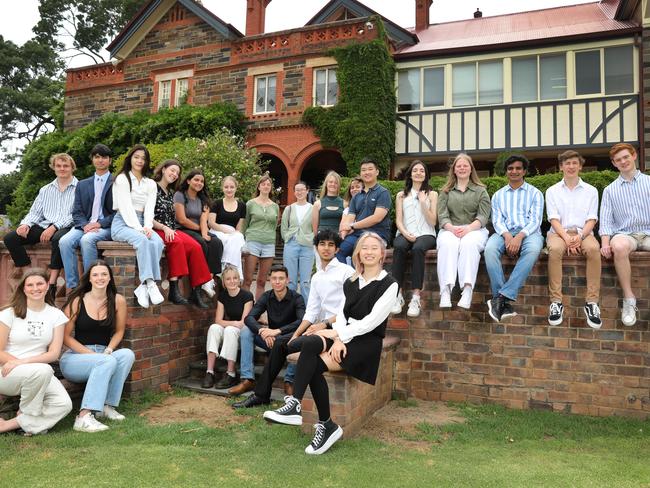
[299, 261]
[87, 242]
[347, 247]
[248, 341]
[104, 375]
[495, 248]
[147, 250]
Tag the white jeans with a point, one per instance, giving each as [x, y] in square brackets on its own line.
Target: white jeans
[232, 246]
[459, 257]
[43, 399]
[230, 336]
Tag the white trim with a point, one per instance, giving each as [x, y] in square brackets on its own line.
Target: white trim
[267, 69]
[320, 62]
[266, 94]
[174, 75]
[327, 70]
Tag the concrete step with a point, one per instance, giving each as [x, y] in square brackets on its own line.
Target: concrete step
[194, 384]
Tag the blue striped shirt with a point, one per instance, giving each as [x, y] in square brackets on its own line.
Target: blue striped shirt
[519, 210]
[625, 207]
[52, 206]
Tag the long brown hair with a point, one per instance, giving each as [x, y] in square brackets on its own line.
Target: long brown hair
[19, 299]
[158, 172]
[85, 286]
[451, 176]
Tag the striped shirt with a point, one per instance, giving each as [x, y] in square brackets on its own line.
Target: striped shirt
[625, 208]
[519, 210]
[52, 206]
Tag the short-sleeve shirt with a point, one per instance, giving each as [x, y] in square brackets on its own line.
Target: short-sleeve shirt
[233, 307]
[364, 204]
[229, 218]
[193, 206]
[32, 335]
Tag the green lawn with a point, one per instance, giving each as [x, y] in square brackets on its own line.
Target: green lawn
[494, 447]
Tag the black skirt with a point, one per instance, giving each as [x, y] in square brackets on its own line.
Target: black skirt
[362, 358]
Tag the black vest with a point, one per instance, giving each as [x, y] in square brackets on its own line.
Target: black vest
[359, 303]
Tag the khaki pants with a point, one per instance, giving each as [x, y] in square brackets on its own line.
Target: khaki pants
[557, 250]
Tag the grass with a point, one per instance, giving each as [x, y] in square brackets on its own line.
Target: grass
[494, 447]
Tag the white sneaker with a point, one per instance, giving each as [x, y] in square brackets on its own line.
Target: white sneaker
[154, 293]
[399, 303]
[110, 413]
[208, 288]
[466, 298]
[142, 295]
[445, 297]
[88, 423]
[628, 313]
[414, 306]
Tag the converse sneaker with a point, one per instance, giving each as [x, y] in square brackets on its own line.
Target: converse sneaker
[399, 303]
[142, 295]
[628, 312]
[208, 288]
[327, 433]
[154, 293]
[88, 423]
[110, 413]
[445, 297]
[495, 308]
[289, 413]
[592, 311]
[555, 313]
[506, 309]
[466, 298]
[414, 306]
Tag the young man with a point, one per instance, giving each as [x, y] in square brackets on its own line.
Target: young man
[368, 211]
[284, 309]
[325, 301]
[48, 220]
[92, 214]
[625, 221]
[572, 210]
[517, 211]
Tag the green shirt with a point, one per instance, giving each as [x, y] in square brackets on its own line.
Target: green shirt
[463, 208]
[261, 222]
[302, 231]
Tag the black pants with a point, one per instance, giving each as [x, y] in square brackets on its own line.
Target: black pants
[212, 249]
[16, 246]
[277, 357]
[401, 246]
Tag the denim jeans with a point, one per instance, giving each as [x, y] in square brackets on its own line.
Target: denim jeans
[148, 250]
[104, 375]
[299, 261]
[87, 242]
[248, 341]
[347, 247]
[495, 248]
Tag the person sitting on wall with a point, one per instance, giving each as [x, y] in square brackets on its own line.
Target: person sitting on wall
[517, 211]
[92, 215]
[368, 211]
[625, 221]
[48, 220]
[325, 303]
[285, 309]
[572, 210]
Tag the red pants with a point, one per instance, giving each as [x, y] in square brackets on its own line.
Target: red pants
[185, 257]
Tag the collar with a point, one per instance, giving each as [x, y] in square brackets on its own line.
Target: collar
[103, 177]
[372, 188]
[470, 186]
[523, 187]
[287, 296]
[380, 276]
[72, 184]
[580, 183]
[622, 180]
[334, 263]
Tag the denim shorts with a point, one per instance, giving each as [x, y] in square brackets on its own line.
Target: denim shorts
[259, 250]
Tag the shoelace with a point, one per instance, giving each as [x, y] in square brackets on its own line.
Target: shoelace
[318, 436]
[594, 309]
[287, 406]
[555, 308]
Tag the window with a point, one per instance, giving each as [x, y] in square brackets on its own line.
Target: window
[181, 92]
[165, 94]
[172, 89]
[464, 84]
[408, 93]
[489, 81]
[619, 70]
[552, 76]
[524, 79]
[434, 86]
[326, 88]
[265, 94]
[587, 72]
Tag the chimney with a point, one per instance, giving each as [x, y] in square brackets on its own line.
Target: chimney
[422, 14]
[478, 14]
[255, 15]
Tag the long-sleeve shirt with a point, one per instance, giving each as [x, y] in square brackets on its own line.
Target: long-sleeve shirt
[625, 208]
[285, 314]
[140, 198]
[464, 207]
[52, 206]
[326, 297]
[296, 225]
[517, 210]
[572, 207]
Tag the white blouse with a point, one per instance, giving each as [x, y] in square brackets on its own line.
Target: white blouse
[141, 198]
[414, 219]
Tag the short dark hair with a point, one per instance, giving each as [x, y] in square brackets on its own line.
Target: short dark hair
[279, 268]
[101, 150]
[327, 235]
[368, 160]
[517, 157]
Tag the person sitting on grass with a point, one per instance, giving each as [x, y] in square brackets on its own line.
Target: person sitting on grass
[353, 344]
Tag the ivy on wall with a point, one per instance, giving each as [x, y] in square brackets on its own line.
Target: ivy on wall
[362, 123]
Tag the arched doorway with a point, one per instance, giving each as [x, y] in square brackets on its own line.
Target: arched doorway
[278, 172]
[319, 164]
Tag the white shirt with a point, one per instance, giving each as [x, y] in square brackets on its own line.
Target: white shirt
[349, 329]
[141, 198]
[572, 207]
[326, 298]
[414, 219]
[32, 335]
[301, 211]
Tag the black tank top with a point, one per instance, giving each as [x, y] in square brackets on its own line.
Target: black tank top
[89, 331]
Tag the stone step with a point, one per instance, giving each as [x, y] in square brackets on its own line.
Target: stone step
[194, 384]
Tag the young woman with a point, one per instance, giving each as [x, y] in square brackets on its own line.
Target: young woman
[415, 211]
[463, 212]
[328, 210]
[232, 307]
[261, 222]
[355, 186]
[134, 198]
[352, 344]
[226, 220]
[192, 205]
[298, 235]
[184, 254]
[31, 335]
[97, 316]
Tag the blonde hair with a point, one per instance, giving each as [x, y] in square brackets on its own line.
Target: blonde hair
[64, 157]
[356, 260]
[451, 176]
[231, 178]
[228, 268]
[323, 188]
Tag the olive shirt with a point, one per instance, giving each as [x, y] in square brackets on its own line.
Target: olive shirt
[463, 208]
[261, 222]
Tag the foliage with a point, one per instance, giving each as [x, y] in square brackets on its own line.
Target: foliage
[362, 123]
[8, 182]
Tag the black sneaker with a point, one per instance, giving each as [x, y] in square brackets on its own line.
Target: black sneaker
[251, 401]
[327, 433]
[495, 308]
[289, 413]
[556, 313]
[208, 380]
[592, 311]
[226, 382]
[507, 310]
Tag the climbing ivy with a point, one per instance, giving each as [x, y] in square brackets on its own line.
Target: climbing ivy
[362, 123]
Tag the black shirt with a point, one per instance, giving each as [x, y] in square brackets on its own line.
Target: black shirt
[164, 212]
[285, 314]
[233, 307]
[229, 218]
[89, 331]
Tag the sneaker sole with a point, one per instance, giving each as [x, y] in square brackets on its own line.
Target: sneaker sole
[464, 305]
[556, 322]
[508, 315]
[271, 416]
[494, 317]
[336, 435]
[591, 324]
[630, 324]
[413, 315]
[89, 431]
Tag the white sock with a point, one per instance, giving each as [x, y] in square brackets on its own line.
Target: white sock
[232, 374]
[209, 371]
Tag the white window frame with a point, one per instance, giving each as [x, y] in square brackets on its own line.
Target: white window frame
[171, 80]
[327, 78]
[603, 88]
[266, 94]
[180, 93]
[164, 87]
